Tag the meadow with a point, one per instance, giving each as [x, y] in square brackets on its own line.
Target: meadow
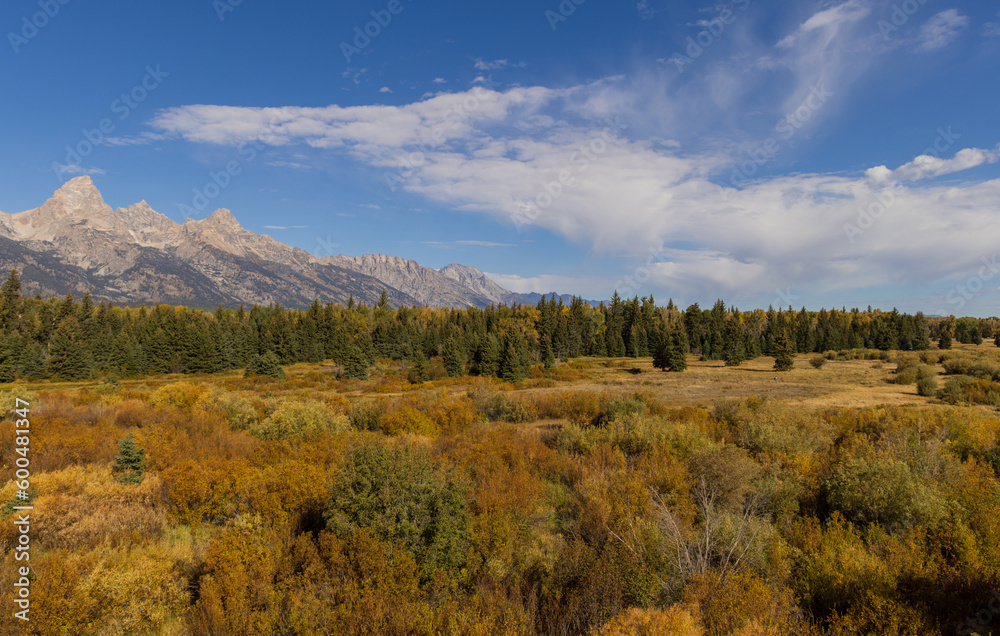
[600, 496]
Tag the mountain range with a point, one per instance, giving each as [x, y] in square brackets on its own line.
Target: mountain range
[75, 242]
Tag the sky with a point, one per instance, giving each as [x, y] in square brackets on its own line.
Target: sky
[807, 153]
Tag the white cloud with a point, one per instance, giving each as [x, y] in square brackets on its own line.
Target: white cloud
[72, 168]
[385, 89]
[632, 195]
[546, 283]
[468, 243]
[928, 166]
[440, 80]
[828, 20]
[371, 206]
[941, 30]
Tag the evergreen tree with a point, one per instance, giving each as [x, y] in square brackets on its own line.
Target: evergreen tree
[677, 357]
[944, 337]
[266, 365]
[10, 301]
[996, 340]
[453, 359]
[8, 358]
[662, 354]
[487, 356]
[548, 355]
[783, 359]
[69, 355]
[356, 366]
[130, 462]
[515, 359]
[733, 348]
[418, 373]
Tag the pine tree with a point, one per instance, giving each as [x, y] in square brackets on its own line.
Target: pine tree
[944, 337]
[418, 370]
[10, 301]
[355, 366]
[69, 355]
[8, 358]
[453, 359]
[996, 340]
[130, 462]
[515, 361]
[487, 356]
[733, 349]
[661, 356]
[783, 360]
[677, 357]
[548, 355]
[266, 365]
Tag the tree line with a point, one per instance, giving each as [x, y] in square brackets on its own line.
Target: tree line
[77, 339]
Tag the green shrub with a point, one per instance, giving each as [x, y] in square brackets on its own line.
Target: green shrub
[817, 362]
[621, 407]
[504, 407]
[266, 365]
[300, 419]
[394, 491]
[882, 491]
[927, 387]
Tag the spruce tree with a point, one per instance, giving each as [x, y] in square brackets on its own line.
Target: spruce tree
[996, 340]
[418, 373]
[944, 338]
[783, 360]
[355, 366]
[10, 301]
[130, 462]
[733, 348]
[548, 355]
[69, 353]
[661, 357]
[8, 358]
[453, 359]
[515, 360]
[677, 360]
[266, 365]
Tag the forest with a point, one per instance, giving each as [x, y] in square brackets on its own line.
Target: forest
[626, 469]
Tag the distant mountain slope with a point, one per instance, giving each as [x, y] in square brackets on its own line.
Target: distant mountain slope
[75, 242]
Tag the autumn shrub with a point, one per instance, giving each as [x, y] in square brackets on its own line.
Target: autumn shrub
[177, 394]
[743, 604]
[300, 419]
[621, 407]
[366, 414]
[407, 418]
[238, 410]
[817, 362]
[9, 401]
[927, 387]
[504, 407]
[965, 390]
[882, 491]
[675, 620]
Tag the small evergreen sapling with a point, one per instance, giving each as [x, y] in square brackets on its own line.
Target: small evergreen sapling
[130, 462]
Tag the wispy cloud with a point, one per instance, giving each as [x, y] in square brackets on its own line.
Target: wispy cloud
[941, 30]
[468, 243]
[385, 89]
[285, 227]
[440, 80]
[68, 169]
[927, 166]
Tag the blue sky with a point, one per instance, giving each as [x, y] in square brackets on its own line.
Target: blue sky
[806, 153]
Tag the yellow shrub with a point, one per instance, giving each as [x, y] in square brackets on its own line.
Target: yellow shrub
[179, 394]
[672, 621]
[300, 419]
